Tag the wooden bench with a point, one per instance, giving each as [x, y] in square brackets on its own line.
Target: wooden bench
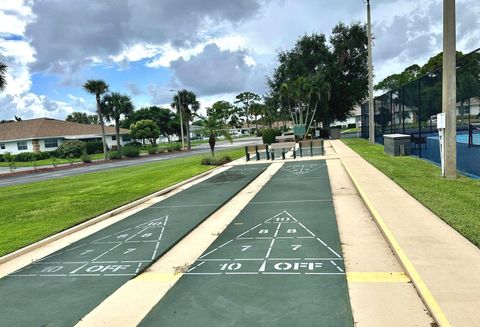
[282, 146]
[309, 145]
[255, 150]
[285, 138]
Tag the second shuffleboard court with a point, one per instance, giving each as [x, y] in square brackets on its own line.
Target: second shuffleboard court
[279, 263]
[63, 287]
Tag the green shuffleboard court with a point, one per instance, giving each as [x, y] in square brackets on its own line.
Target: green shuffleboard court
[63, 287]
[279, 263]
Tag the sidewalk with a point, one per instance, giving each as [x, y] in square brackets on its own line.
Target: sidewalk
[442, 264]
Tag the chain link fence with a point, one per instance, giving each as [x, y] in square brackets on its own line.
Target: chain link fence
[412, 110]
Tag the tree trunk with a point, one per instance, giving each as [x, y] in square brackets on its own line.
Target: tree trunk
[211, 142]
[187, 128]
[117, 131]
[102, 125]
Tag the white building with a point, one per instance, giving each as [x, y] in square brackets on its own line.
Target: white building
[46, 134]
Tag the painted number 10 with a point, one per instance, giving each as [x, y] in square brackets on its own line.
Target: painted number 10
[230, 266]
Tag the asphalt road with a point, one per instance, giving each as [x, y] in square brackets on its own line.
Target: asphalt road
[85, 169]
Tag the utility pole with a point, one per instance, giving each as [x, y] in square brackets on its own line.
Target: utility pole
[449, 89]
[371, 113]
[181, 116]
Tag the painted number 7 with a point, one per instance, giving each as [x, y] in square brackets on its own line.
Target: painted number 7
[295, 247]
[246, 247]
[128, 251]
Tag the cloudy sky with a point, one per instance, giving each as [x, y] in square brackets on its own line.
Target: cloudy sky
[217, 48]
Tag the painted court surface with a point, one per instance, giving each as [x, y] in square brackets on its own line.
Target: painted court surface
[279, 263]
[62, 288]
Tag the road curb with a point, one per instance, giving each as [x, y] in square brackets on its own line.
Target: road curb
[100, 218]
[422, 289]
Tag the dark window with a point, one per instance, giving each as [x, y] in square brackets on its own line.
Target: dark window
[51, 143]
[22, 146]
[126, 138]
[114, 137]
[2, 146]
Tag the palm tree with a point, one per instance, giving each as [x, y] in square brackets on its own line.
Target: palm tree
[213, 126]
[114, 105]
[3, 76]
[98, 87]
[188, 108]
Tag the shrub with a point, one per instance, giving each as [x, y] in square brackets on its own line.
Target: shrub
[2, 159]
[151, 149]
[216, 161]
[131, 151]
[73, 148]
[86, 158]
[94, 147]
[114, 155]
[268, 135]
[24, 157]
[134, 143]
[10, 158]
[173, 147]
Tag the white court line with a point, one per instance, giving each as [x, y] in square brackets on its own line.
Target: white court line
[201, 263]
[291, 201]
[331, 250]
[204, 273]
[262, 267]
[333, 263]
[224, 244]
[186, 206]
[248, 230]
[73, 272]
[101, 255]
[340, 259]
[138, 268]
[281, 273]
[135, 234]
[242, 273]
[308, 230]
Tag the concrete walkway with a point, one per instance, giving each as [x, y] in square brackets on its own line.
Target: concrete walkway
[442, 264]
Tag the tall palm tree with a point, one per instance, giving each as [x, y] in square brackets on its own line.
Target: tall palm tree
[188, 108]
[114, 105]
[3, 76]
[98, 87]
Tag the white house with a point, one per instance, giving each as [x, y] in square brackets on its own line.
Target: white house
[46, 134]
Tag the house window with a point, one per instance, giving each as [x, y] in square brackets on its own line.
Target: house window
[2, 146]
[126, 138]
[51, 143]
[22, 146]
[114, 137]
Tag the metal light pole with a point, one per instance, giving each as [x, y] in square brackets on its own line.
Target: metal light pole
[181, 117]
[371, 113]
[449, 76]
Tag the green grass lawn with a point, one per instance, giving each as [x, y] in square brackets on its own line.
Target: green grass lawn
[31, 212]
[457, 201]
[49, 161]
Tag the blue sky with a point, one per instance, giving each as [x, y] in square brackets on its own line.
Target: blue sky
[215, 48]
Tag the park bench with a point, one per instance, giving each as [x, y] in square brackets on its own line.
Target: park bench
[312, 147]
[284, 147]
[256, 150]
[285, 138]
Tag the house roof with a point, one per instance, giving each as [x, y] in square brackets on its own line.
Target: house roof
[48, 127]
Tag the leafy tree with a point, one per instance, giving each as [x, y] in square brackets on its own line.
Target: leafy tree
[98, 88]
[114, 105]
[188, 108]
[145, 129]
[246, 99]
[222, 110]
[165, 119]
[82, 118]
[395, 81]
[326, 79]
[3, 76]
